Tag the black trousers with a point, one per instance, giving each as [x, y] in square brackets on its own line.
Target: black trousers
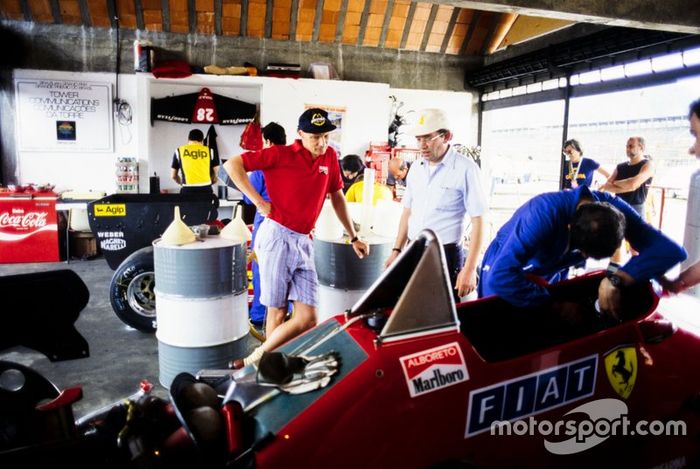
[454, 253]
[196, 189]
[202, 190]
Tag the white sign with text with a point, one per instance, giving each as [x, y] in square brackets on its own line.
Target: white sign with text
[64, 115]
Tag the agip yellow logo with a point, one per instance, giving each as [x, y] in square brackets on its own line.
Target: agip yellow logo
[621, 368]
[195, 154]
[109, 210]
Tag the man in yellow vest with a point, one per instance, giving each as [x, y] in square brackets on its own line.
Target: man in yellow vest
[195, 165]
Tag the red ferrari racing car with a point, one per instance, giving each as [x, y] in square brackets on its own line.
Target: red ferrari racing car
[405, 379]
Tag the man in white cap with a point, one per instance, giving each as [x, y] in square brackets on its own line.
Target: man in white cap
[440, 190]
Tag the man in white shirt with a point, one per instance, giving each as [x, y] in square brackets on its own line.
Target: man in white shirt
[440, 190]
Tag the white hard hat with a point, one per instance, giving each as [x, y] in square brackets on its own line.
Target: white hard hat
[428, 121]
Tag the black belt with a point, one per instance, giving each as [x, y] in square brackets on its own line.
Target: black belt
[448, 245]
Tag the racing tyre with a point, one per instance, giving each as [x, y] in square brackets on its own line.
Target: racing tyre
[132, 291]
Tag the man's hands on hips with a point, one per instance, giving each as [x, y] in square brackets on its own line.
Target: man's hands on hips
[264, 208]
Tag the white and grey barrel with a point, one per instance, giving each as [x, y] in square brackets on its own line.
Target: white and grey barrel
[342, 276]
[202, 305]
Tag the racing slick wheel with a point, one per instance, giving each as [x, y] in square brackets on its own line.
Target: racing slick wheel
[132, 291]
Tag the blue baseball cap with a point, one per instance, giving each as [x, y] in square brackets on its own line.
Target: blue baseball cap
[315, 121]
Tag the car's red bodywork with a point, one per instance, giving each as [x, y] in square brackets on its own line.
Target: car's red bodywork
[423, 396]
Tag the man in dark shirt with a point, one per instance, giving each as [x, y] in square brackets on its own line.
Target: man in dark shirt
[195, 165]
[631, 180]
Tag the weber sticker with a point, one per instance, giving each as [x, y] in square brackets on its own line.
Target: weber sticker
[112, 240]
[434, 369]
[110, 210]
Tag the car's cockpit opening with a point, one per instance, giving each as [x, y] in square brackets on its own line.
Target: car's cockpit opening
[415, 288]
[500, 331]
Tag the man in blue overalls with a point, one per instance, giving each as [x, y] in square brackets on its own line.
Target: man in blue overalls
[556, 230]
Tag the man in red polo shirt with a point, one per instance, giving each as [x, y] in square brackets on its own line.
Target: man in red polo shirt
[298, 177]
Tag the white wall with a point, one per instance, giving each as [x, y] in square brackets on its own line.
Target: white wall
[80, 171]
[366, 107]
[366, 119]
[457, 105]
[158, 142]
[281, 101]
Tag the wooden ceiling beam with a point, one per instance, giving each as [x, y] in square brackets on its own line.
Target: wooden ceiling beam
[138, 7]
[340, 25]
[112, 12]
[681, 16]
[218, 17]
[165, 8]
[407, 25]
[503, 26]
[244, 17]
[85, 13]
[192, 16]
[269, 10]
[489, 35]
[387, 20]
[293, 19]
[450, 29]
[526, 27]
[429, 26]
[404, 24]
[317, 20]
[26, 11]
[56, 12]
[363, 22]
[470, 32]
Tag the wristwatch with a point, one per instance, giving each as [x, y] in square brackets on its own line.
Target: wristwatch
[612, 268]
[615, 280]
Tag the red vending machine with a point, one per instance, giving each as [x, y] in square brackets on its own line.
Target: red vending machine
[28, 227]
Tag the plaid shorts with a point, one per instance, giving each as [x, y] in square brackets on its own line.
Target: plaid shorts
[287, 269]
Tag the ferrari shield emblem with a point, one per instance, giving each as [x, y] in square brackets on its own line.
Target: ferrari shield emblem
[621, 368]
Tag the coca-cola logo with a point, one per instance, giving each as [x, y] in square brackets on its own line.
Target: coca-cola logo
[33, 220]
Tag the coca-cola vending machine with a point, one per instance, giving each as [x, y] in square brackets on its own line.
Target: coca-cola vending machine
[28, 227]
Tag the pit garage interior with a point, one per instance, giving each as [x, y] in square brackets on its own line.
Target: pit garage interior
[372, 61]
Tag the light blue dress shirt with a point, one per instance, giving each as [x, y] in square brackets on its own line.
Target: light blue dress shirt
[441, 200]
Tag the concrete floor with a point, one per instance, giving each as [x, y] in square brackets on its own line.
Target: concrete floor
[120, 356]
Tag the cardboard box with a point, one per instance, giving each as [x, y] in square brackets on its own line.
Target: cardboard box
[83, 245]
